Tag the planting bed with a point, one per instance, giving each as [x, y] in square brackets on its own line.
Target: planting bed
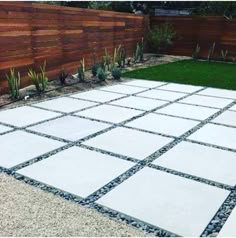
[73, 85]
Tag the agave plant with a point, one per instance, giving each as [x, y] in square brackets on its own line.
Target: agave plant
[116, 73]
[14, 83]
[101, 74]
[95, 69]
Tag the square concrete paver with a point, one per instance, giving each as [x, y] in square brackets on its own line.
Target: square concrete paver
[18, 147]
[24, 116]
[181, 88]
[161, 94]
[4, 129]
[163, 124]
[69, 128]
[193, 159]
[128, 142]
[188, 111]
[97, 96]
[65, 104]
[216, 135]
[227, 118]
[229, 228]
[77, 171]
[207, 101]
[180, 205]
[144, 83]
[123, 89]
[224, 93]
[109, 113]
[233, 108]
[139, 103]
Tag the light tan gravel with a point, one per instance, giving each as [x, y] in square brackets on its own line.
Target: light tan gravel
[29, 211]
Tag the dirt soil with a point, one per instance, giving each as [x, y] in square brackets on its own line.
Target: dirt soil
[55, 89]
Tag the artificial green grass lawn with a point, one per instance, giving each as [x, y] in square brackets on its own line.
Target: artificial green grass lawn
[211, 74]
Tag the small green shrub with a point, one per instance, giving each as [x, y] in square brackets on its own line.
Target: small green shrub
[116, 73]
[95, 69]
[196, 52]
[211, 52]
[223, 55]
[81, 70]
[161, 37]
[101, 74]
[40, 80]
[14, 83]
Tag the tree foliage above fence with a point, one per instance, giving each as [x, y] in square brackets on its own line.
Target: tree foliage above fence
[201, 8]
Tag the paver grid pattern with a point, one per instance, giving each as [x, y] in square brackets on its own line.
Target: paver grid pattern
[139, 122]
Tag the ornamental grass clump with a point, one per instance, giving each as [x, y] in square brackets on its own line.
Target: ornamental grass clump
[211, 52]
[136, 54]
[14, 83]
[123, 58]
[223, 55]
[40, 80]
[118, 56]
[107, 60]
[196, 52]
[81, 71]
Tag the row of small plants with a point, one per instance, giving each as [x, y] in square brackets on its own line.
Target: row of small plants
[223, 53]
[40, 81]
[111, 64]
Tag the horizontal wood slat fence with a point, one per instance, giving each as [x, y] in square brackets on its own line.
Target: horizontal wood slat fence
[31, 33]
[203, 31]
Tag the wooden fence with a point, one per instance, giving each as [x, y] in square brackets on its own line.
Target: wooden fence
[203, 31]
[31, 33]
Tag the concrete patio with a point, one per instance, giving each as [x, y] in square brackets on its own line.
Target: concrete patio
[158, 156]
